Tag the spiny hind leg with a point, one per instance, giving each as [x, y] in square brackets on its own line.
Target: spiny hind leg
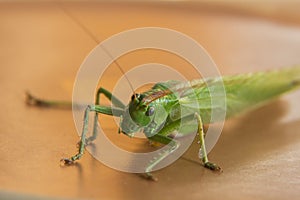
[34, 101]
[115, 101]
[206, 162]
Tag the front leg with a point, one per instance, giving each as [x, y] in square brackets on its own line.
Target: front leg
[90, 108]
[162, 137]
[114, 100]
[173, 145]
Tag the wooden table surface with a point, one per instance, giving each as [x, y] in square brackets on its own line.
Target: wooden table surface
[42, 49]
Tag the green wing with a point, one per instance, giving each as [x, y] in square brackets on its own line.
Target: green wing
[243, 92]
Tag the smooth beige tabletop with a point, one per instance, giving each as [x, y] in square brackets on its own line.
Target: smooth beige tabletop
[41, 49]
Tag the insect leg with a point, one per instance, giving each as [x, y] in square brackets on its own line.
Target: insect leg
[163, 137]
[115, 101]
[34, 101]
[98, 109]
[173, 145]
[205, 160]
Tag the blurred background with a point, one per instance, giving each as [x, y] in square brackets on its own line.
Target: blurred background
[42, 48]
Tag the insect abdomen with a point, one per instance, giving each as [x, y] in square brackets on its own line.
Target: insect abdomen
[248, 91]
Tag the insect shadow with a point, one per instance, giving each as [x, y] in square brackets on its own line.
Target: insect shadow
[251, 136]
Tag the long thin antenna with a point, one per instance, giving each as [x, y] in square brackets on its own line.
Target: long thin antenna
[87, 31]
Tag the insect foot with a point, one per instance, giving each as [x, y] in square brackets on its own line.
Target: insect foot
[66, 161]
[149, 176]
[33, 101]
[213, 167]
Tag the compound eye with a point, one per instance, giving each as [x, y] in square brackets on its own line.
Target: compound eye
[150, 111]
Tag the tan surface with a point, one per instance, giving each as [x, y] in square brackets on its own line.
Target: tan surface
[41, 50]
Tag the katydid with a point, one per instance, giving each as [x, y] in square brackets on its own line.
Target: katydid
[167, 106]
[144, 112]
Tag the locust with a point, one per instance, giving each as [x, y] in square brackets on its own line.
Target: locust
[169, 105]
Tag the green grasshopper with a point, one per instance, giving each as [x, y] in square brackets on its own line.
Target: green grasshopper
[161, 110]
[168, 106]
